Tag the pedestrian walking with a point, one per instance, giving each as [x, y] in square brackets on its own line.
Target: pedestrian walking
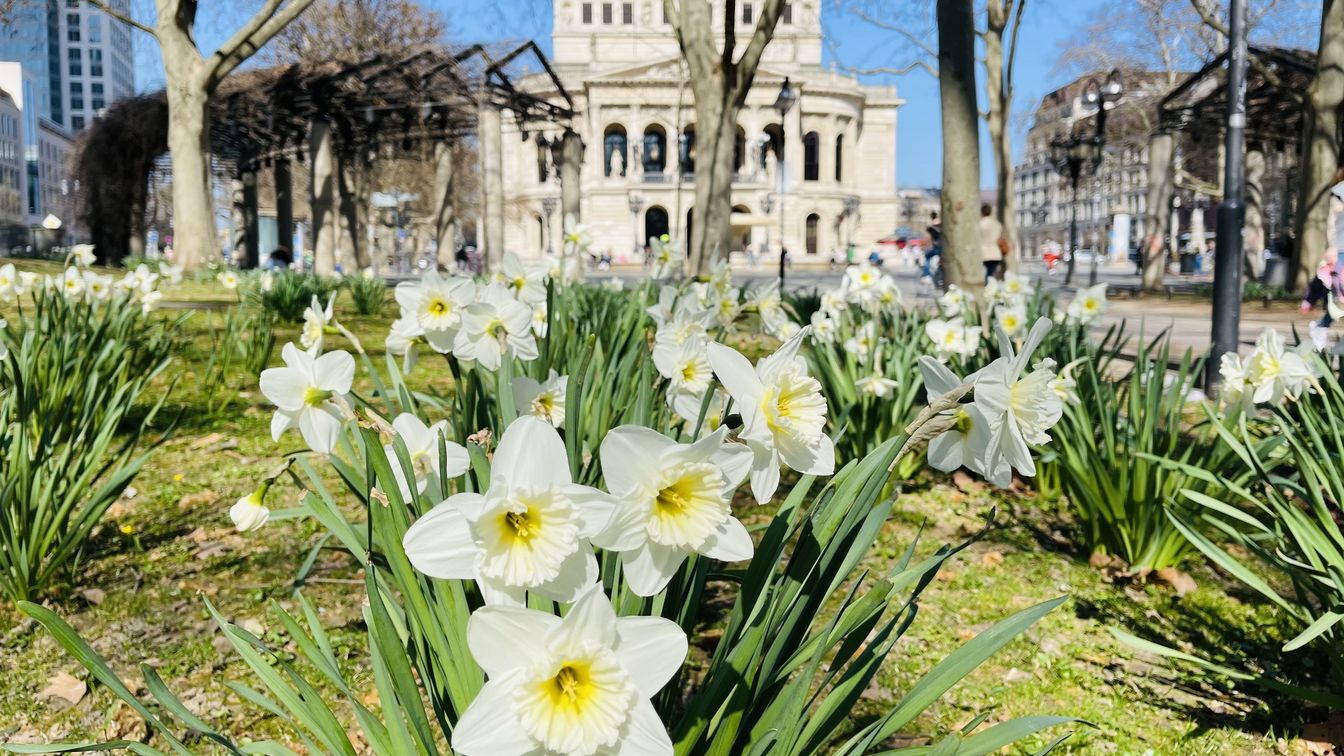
[991, 242]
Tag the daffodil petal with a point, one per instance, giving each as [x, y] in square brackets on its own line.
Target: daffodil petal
[651, 649]
[504, 638]
[440, 544]
[489, 726]
[730, 542]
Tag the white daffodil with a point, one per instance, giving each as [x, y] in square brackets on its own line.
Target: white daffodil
[98, 288]
[316, 318]
[614, 284]
[824, 328]
[576, 237]
[673, 307]
[876, 384]
[73, 284]
[688, 378]
[674, 500]
[769, 305]
[171, 273]
[1235, 390]
[726, 306]
[309, 393]
[1274, 373]
[783, 413]
[721, 276]
[1012, 318]
[863, 342]
[1088, 305]
[436, 304]
[82, 255]
[401, 340]
[1015, 288]
[888, 297]
[542, 400]
[666, 260]
[9, 283]
[861, 284]
[528, 533]
[952, 338]
[228, 279]
[527, 283]
[149, 301]
[28, 281]
[249, 513]
[494, 325]
[1064, 384]
[541, 323]
[833, 302]
[422, 446]
[580, 684]
[952, 303]
[674, 337]
[1020, 405]
[967, 439]
[267, 281]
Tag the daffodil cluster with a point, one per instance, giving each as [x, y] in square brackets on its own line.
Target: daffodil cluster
[1269, 374]
[79, 283]
[475, 322]
[1015, 403]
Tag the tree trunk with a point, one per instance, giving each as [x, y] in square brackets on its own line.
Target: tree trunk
[1320, 145]
[711, 217]
[322, 198]
[443, 204]
[1157, 216]
[189, 148]
[961, 145]
[1000, 95]
[492, 185]
[1253, 229]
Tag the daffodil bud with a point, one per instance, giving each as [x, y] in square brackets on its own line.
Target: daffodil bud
[249, 513]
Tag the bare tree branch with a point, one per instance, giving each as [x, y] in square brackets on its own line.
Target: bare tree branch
[910, 37]
[125, 18]
[259, 30]
[1213, 22]
[745, 69]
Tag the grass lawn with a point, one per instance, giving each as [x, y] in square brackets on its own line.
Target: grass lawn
[168, 546]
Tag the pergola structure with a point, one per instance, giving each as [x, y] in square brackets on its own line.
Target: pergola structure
[1197, 108]
[1198, 105]
[336, 113]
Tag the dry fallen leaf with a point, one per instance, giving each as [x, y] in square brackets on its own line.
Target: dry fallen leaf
[991, 559]
[197, 499]
[1179, 581]
[206, 440]
[66, 687]
[1324, 738]
[94, 596]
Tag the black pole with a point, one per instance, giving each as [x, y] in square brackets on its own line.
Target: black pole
[1228, 247]
[1073, 221]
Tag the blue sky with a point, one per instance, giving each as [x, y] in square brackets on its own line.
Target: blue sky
[1047, 24]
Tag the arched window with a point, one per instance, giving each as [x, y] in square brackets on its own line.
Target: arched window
[615, 158]
[655, 150]
[811, 156]
[686, 151]
[839, 157]
[774, 145]
[655, 222]
[739, 148]
[541, 231]
[543, 159]
[812, 221]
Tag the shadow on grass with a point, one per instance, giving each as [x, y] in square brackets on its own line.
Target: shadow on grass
[1213, 624]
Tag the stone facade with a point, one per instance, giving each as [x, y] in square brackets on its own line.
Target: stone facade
[621, 64]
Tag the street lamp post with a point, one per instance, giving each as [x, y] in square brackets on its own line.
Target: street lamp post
[1231, 213]
[784, 102]
[1074, 153]
[548, 207]
[636, 204]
